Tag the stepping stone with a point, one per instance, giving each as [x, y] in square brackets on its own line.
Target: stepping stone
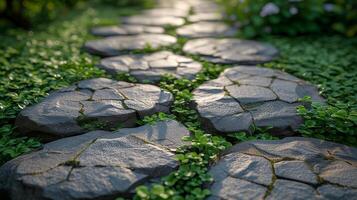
[150, 20]
[231, 51]
[291, 168]
[206, 29]
[214, 16]
[151, 67]
[106, 31]
[99, 101]
[162, 12]
[205, 7]
[113, 46]
[95, 165]
[243, 96]
[174, 4]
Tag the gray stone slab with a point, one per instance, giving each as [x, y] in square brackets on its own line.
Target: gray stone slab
[149, 20]
[265, 97]
[100, 100]
[151, 67]
[202, 6]
[231, 51]
[295, 170]
[107, 31]
[173, 4]
[232, 189]
[284, 189]
[246, 94]
[206, 29]
[280, 115]
[116, 45]
[332, 192]
[304, 168]
[254, 169]
[214, 16]
[339, 172]
[162, 12]
[95, 165]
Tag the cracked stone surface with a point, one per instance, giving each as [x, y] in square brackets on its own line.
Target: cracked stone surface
[174, 4]
[243, 96]
[107, 31]
[151, 67]
[231, 51]
[206, 29]
[99, 100]
[304, 168]
[116, 45]
[162, 12]
[197, 6]
[214, 16]
[203, 6]
[149, 20]
[95, 165]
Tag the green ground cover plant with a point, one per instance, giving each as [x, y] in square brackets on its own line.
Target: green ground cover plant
[334, 123]
[29, 13]
[266, 17]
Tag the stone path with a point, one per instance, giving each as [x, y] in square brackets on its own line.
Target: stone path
[151, 67]
[243, 96]
[206, 29]
[95, 165]
[291, 168]
[231, 51]
[109, 102]
[105, 165]
[113, 46]
[201, 17]
[149, 20]
[125, 30]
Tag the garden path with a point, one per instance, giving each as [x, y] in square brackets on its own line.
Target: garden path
[79, 164]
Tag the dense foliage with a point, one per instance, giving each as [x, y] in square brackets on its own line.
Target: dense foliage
[293, 17]
[26, 13]
[336, 123]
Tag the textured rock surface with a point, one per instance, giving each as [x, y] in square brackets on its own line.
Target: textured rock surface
[246, 171]
[203, 6]
[106, 31]
[214, 16]
[150, 20]
[116, 45]
[109, 102]
[174, 4]
[247, 95]
[152, 66]
[95, 165]
[206, 29]
[162, 12]
[231, 51]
